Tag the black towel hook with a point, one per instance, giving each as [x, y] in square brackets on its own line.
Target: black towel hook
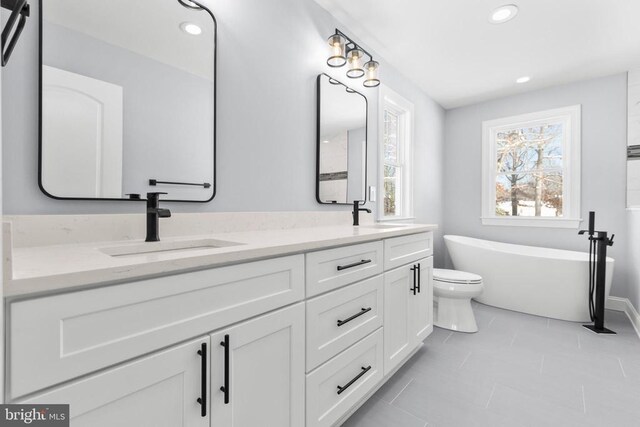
[20, 10]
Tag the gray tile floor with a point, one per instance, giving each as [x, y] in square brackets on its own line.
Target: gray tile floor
[518, 370]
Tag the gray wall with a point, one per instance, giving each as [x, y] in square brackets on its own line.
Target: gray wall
[603, 167]
[270, 53]
[173, 124]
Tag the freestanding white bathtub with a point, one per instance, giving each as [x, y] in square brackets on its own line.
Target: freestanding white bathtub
[545, 282]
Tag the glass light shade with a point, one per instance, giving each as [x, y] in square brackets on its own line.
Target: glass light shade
[337, 57]
[371, 70]
[354, 59]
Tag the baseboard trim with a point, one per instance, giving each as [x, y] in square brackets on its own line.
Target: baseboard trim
[617, 304]
[624, 305]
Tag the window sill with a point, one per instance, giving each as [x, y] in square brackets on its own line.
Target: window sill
[533, 222]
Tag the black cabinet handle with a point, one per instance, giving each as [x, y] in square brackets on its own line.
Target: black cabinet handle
[225, 387]
[356, 378]
[355, 316]
[202, 400]
[419, 281]
[355, 264]
[415, 286]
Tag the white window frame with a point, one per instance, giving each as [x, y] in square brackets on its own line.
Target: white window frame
[571, 119]
[389, 99]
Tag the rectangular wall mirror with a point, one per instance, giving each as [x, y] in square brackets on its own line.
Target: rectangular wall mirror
[127, 99]
[341, 143]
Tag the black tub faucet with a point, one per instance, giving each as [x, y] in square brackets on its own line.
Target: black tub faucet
[153, 214]
[356, 211]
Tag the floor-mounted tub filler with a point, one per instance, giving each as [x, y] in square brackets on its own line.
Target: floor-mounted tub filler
[545, 282]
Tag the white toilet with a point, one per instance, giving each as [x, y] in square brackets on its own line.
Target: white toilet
[452, 292]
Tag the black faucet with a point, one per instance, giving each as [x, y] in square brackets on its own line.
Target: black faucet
[153, 214]
[356, 212]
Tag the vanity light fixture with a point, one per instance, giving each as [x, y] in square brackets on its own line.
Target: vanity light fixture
[191, 28]
[523, 79]
[354, 59]
[345, 51]
[190, 4]
[503, 14]
[337, 58]
[372, 74]
[20, 11]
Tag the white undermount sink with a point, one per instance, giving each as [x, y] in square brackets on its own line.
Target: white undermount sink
[148, 248]
[385, 226]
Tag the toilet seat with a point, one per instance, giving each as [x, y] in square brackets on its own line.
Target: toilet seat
[456, 277]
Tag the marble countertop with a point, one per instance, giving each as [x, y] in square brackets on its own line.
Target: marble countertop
[55, 268]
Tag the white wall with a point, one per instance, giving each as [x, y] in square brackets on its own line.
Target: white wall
[604, 144]
[633, 224]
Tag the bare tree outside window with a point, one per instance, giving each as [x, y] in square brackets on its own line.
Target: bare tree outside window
[529, 174]
[392, 164]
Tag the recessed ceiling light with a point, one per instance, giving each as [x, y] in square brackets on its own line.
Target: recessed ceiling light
[325, 142]
[503, 14]
[191, 28]
[523, 79]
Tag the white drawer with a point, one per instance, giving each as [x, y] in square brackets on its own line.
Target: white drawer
[340, 318]
[399, 251]
[334, 268]
[357, 369]
[57, 338]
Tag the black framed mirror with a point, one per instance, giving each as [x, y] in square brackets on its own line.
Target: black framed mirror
[127, 100]
[341, 169]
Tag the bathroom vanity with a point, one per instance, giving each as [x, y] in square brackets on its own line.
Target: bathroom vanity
[287, 327]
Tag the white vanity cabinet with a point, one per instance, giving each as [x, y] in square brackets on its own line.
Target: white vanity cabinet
[161, 390]
[60, 337]
[408, 310]
[252, 374]
[257, 372]
[364, 327]
[298, 340]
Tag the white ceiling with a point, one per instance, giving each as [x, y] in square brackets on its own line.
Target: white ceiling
[453, 53]
[146, 27]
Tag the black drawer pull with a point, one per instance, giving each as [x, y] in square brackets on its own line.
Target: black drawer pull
[419, 281]
[202, 400]
[355, 264]
[357, 377]
[355, 316]
[225, 387]
[416, 287]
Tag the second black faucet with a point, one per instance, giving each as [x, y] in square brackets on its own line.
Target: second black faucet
[154, 212]
[356, 211]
